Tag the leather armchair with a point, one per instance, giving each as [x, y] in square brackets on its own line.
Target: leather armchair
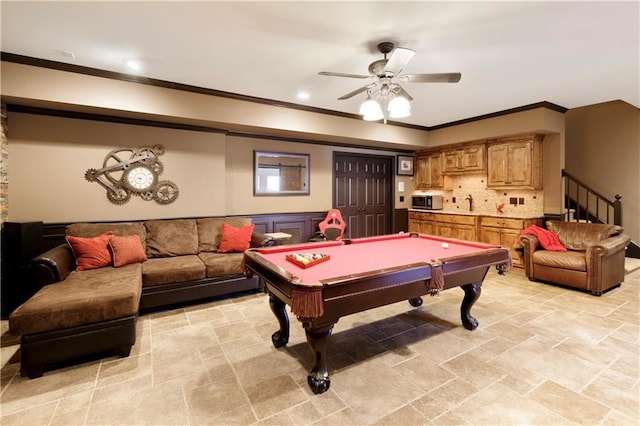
[594, 260]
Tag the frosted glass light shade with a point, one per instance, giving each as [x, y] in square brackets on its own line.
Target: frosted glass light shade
[399, 107]
[371, 111]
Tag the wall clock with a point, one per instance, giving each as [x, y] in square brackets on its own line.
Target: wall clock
[128, 171]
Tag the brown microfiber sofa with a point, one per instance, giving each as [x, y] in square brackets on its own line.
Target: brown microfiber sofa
[594, 260]
[78, 313]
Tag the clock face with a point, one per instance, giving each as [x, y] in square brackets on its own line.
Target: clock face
[140, 178]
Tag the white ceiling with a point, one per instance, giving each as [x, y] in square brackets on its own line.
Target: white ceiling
[510, 54]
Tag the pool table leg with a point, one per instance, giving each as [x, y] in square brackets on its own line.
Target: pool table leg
[471, 294]
[281, 337]
[318, 338]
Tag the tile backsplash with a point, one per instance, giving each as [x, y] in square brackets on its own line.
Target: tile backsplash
[529, 203]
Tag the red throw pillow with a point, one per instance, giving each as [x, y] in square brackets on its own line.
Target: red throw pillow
[91, 253]
[235, 240]
[126, 250]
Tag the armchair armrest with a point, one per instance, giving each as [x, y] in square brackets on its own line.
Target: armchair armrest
[261, 240]
[53, 265]
[608, 247]
[529, 244]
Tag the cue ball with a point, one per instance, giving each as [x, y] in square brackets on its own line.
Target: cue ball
[445, 245]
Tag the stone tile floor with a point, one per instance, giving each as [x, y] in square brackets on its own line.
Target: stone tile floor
[542, 355]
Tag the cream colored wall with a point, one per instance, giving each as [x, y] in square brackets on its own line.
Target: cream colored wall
[213, 171]
[239, 177]
[49, 156]
[603, 150]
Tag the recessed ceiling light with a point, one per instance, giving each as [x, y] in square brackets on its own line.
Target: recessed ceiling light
[67, 54]
[303, 95]
[133, 65]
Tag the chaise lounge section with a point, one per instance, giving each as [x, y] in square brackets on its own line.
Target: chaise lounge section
[81, 312]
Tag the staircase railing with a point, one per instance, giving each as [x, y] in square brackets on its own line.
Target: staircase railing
[588, 204]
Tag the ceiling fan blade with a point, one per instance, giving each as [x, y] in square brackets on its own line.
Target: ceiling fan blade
[399, 58]
[355, 92]
[404, 93]
[451, 77]
[342, 74]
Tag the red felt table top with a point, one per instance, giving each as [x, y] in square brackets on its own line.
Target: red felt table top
[369, 254]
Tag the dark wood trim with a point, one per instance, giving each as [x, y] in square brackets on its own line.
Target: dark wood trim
[543, 104]
[45, 63]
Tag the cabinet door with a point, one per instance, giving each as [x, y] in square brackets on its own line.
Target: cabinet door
[464, 232]
[435, 171]
[498, 165]
[422, 172]
[490, 235]
[473, 158]
[519, 163]
[445, 230]
[452, 161]
[509, 240]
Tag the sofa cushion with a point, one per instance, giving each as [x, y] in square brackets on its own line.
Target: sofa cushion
[222, 264]
[169, 270]
[174, 237]
[120, 229]
[85, 297]
[126, 250]
[210, 230]
[574, 260]
[91, 253]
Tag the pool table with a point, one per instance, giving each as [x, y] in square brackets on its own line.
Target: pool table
[364, 273]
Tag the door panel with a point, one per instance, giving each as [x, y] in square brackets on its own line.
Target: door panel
[362, 192]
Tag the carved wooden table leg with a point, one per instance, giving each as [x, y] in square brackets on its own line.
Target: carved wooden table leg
[318, 338]
[471, 294]
[278, 307]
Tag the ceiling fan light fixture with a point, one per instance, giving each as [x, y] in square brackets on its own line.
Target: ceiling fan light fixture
[399, 107]
[370, 110]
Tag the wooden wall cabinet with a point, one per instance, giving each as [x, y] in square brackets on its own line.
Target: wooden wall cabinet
[429, 171]
[504, 232]
[515, 162]
[468, 159]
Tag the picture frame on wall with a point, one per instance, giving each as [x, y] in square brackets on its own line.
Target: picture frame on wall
[405, 165]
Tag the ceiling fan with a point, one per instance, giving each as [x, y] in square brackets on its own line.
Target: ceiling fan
[386, 85]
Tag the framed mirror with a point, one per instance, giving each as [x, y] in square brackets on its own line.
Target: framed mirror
[280, 173]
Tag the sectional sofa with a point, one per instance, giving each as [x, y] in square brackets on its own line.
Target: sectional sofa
[94, 285]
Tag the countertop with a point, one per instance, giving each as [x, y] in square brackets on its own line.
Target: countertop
[505, 215]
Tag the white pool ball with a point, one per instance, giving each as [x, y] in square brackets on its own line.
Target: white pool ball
[445, 245]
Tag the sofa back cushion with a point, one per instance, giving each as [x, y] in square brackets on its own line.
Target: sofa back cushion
[580, 236]
[173, 237]
[122, 229]
[210, 230]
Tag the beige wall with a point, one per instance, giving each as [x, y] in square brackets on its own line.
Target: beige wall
[50, 155]
[603, 150]
[213, 171]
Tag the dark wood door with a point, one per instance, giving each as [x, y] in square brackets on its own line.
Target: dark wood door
[362, 193]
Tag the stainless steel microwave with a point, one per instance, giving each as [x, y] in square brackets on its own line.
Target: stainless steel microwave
[426, 202]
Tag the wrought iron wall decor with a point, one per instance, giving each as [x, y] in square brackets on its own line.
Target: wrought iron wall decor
[134, 171]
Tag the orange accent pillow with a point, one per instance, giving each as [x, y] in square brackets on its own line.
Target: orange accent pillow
[91, 253]
[126, 250]
[235, 240]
